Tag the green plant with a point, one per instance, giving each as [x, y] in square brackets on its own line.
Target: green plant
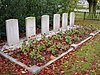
[60, 33]
[76, 39]
[25, 48]
[49, 42]
[40, 46]
[52, 49]
[76, 31]
[68, 39]
[29, 44]
[70, 32]
[57, 37]
[44, 37]
[59, 45]
[35, 54]
[35, 40]
[64, 47]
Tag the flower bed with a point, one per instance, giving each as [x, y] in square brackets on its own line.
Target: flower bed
[40, 52]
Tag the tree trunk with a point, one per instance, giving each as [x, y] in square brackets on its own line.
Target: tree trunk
[92, 7]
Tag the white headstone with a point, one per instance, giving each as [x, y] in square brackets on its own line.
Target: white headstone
[45, 24]
[64, 21]
[56, 22]
[72, 18]
[12, 31]
[30, 27]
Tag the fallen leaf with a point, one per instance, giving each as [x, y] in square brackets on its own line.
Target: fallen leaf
[99, 65]
[62, 72]
[52, 57]
[23, 71]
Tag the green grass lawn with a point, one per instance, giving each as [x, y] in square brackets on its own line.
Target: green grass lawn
[86, 60]
[80, 15]
[94, 23]
[79, 21]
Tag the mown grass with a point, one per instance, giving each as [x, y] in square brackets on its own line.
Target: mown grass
[80, 15]
[80, 21]
[94, 23]
[86, 60]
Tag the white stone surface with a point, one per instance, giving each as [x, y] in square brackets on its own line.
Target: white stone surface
[56, 22]
[45, 24]
[12, 31]
[30, 27]
[64, 21]
[72, 19]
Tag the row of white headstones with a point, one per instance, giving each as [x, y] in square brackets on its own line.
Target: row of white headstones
[12, 29]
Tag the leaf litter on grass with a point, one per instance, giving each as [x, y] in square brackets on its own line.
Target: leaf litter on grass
[87, 61]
